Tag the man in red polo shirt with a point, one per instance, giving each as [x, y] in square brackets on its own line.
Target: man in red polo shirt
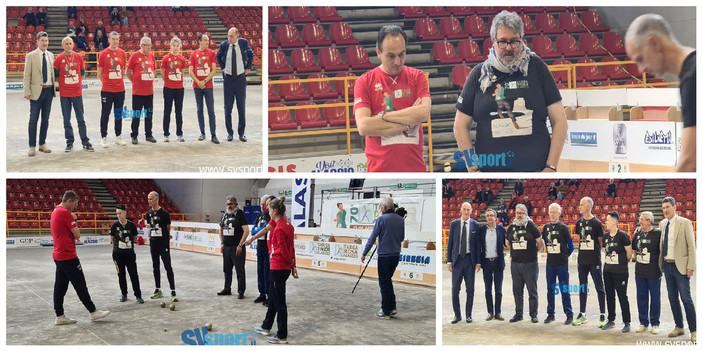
[69, 71]
[391, 102]
[65, 232]
[202, 65]
[111, 65]
[141, 71]
[172, 67]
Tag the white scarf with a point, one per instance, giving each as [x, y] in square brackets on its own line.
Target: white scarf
[520, 64]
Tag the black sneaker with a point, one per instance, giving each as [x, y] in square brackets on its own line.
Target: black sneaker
[230, 137]
[569, 320]
[241, 296]
[215, 140]
[88, 147]
[69, 147]
[224, 292]
[201, 137]
[516, 318]
[151, 139]
[550, 319]
[260, 298]
[135, 141]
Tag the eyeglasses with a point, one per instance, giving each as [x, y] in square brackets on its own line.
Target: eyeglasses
[503, 44]
[520, 213]
[230, 204]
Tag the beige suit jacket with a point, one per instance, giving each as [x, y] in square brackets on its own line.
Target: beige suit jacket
[33, 78]
[684, 249]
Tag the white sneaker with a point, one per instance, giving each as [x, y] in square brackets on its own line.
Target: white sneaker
[103, 143]
[99, 315]
[655, 330]
[119, 141]
[642, 328]
[63, 320]
[165, 139]
[262, 331]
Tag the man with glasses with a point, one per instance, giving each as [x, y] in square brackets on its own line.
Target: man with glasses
[141, 71]
[524, 241]
[492, 240]
[517, 82]
[559, 246]
[234, 230]
[463, 253]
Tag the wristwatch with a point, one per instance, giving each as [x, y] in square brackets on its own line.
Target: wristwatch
[381, 114]
[551, 167]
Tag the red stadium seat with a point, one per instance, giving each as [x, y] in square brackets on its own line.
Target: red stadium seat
[300, 14]
[592, 21]
[614, 71]
[336, 116]
[445, 53]
[589, 73]
[451, 28]
[330, 60]
[321, 90]
[529, 28]
[484, 10]
[435, 11]
[426, 29]
[271, 42]
[280, 120]
[543, 46]
[287, 36]
[326, 14]
[561, 76]
[469, 51]
[292, 91]
[591, 45]
[609, 84]
[309, 118]
[278, 63]
[569, 22]
[357, 58]
[612, 41]
[459, 10]
[272, 95]
[276, 15]
[411, 12]
[568, 46]
[339, 84]
[547, 24]
[340, 33]
[475, 27]
[313, 35]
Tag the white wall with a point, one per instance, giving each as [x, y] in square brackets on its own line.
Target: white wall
[682, 20]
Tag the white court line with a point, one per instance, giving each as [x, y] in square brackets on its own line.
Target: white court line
[52, 306]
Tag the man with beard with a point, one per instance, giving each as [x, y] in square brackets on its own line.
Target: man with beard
[233, 233]
[524, 242]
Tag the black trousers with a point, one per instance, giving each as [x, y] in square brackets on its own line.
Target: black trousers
[617, 283]
[70, 271]
[164, 253]
[595, 271]
[123, 262]
[139, 103]
[233, 262]
[276, 304]
[171, 96]
[108, 100]
[235, 91]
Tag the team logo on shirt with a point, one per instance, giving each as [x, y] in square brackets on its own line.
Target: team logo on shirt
[378, 87]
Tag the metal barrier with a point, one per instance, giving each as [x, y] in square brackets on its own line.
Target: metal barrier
[571, 70]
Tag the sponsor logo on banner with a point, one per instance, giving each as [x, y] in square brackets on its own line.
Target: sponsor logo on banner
[345, 251]
[320, 249]
[588, 139]
[342, 165]
[15, 86]
[619, 138]
[468, 158]
[301, 199]
[26, 241]
[325, 164]
[414, 260]
[10, 242]
[658, 140]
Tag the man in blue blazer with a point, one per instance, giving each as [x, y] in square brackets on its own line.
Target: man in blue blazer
[492, 238]
[463, 254]
[235, 65]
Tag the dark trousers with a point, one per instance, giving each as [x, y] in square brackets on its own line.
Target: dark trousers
[560, 273]
[679, 285]
[42, 106]
[232, 262]
[276, 304]
[595, 271]
[235, 90]
[164, 254]
[263, 268]
[70, 271]
[170, 97]
[646, 288]
[462, 271]
[208, 95]
[493, 273]
[525, 274]
[144, 104]
[386, 268]
[108, 101]
[77, 104]
[123, 262]
[616, 283]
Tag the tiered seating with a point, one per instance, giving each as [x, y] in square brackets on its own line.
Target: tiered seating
[459, 74]
[465, 191]
[683, 191]
[133, 194]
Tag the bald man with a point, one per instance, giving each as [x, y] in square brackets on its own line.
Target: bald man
[463, 257]
[235, 57]
[69, 70]
[651, 43]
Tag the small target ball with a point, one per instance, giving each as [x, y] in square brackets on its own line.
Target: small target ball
[163, 305]
[172, 307]
[209, 326]
[165, 330]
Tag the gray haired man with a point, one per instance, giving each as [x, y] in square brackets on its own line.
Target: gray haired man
[233, 232]
[524, 242]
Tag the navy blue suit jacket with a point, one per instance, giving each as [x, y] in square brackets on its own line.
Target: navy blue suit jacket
[246, 54]
[453, 247]
[501, 234]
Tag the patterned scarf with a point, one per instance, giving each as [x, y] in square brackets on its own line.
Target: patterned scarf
[487, 74]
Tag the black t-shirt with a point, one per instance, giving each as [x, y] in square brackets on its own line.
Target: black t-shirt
[123, 237]
[523, 242]
[231, 227]
[527, 98]
[589, 231]
[556, 237]
[159, 235]
[647, 246]
[615, 253]
[261, 222]
[688, 90]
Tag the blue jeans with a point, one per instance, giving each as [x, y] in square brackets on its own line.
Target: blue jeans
[462, 271]
[492, 272]
[209, 99]
[560, 273]
[644, 288]
[41, 105]
[77, 103]
[386, 268]
[679, 284]
[263, 269]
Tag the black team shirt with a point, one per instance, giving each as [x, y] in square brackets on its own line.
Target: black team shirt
[159, 235]
[589, 230]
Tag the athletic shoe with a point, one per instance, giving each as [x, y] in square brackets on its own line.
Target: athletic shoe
[380, 314]
[549, 319]
[608, 325]
[215, 140]
[569, 320]
[32, 152]
[393, 312]
[676, 332]
[626, 329]
[119, 141]
[230, 137]
[641, 329]
[224, 292]
[45, 149]
[151, 139]
[157, 294]
[490, 317]
[275, 340]
[241, 296]
[135, 141]
[174, 298]
[88, 147]
[123, 298]
[99, 315]
[693, 336]
[262, 331]
[165, 139]
[68, 148]
[655, 330]
[63, 320]
[140, 300]
[260, 298]
[582, 319]
[180, 138]
[516, 318]
[103, 143]
[201, 137]
[603, 321]
[534, 319]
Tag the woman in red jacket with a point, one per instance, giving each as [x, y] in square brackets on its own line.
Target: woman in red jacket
[282, 263]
